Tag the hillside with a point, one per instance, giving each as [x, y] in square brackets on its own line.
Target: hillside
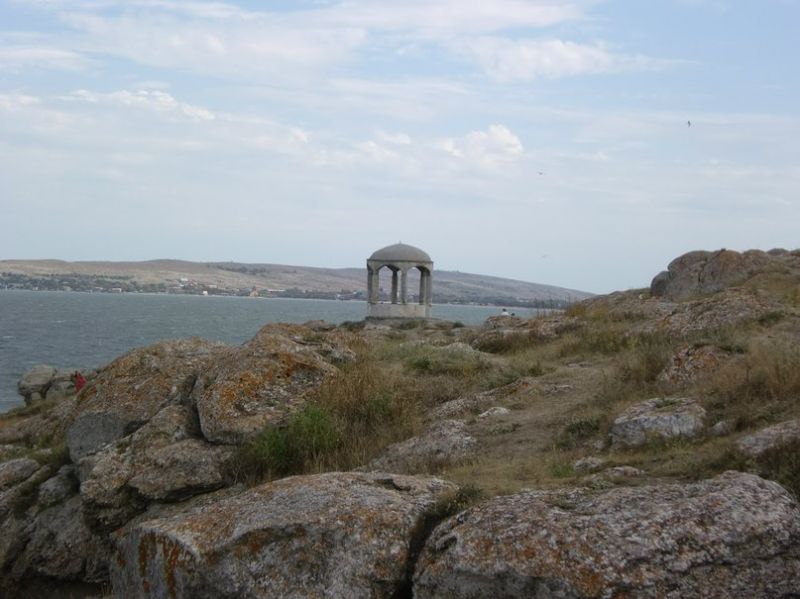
[276, 279]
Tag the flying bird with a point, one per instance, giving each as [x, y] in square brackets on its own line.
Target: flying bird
[688, 123]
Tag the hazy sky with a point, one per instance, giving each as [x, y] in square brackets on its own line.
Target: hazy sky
[543, 140]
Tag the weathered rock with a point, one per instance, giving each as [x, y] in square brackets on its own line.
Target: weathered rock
[133, 388]
[727, 308]
[59, 545]
[721, 428]
[36, 380]
[445, 442]
[58, 488]
[261, 383]
[327, 535]
[773, 436]
[657, 419]
[161, 461]
[494, 412]
[701, 272]
[624, 472]
[16, 471]
[691, 363]
[733, 536]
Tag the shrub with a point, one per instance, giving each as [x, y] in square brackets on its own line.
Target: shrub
[577, 431]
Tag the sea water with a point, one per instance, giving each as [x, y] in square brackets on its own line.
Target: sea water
[88, 330]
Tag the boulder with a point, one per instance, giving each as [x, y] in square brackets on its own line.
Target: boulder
[757, 443]
[589, 464]
[494, 412]
[36, 380]
[133, 388]
[164, 460]
[736, 535]
[326, 535]
[661, 418]
[262, 382]
[445, 442]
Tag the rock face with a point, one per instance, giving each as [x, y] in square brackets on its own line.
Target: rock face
[262, 382]
[657, 419]
[164, 460]
[443, 443]
[773, 436]
[327, 535]
[133, 388]
[697, 273]
[733, 536]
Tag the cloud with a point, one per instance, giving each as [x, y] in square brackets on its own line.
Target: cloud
[508, 60]
[155, 100]
[19, 58]
[496, 145]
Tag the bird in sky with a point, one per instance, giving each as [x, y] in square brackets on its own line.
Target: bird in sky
[688, 123]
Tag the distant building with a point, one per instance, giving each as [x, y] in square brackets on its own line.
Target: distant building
[399, 258]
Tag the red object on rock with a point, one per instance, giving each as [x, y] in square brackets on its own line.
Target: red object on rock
[80, 382]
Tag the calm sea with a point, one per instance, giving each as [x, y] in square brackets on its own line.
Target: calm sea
[85, 330]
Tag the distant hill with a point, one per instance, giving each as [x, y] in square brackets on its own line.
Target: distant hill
[267, 279]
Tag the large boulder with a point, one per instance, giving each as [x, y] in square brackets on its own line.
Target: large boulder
[164, 460]
[443, 443]
[133, 388]
[658, 419]
[733, 536]
[327, 535]
[757, 443]
[36, 382]
[700, 273]
[264, 381]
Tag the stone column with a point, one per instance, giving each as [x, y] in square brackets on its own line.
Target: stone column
[394, 286]
[428, 289]
[403, 286]
[369, 284]
[422, 285]
[375, 287]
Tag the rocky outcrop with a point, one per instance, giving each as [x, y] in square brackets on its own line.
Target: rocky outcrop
[755, 444]
[264, 381]
[700, 273]
[445, 442]
[727, 308]
[661, 418]
[733, 536]
[327, 535]
[133, 388]
[692, 363]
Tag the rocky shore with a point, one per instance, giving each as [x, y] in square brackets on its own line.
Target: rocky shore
[641, 444]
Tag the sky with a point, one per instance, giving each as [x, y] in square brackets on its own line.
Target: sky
[579, 143]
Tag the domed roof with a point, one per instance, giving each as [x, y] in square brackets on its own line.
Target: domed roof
[400, 252]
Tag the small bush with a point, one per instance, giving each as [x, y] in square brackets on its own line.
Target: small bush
[576, 431]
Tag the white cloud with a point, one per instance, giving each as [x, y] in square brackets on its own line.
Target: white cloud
[496, 145]
[156, 100]
[18, 58]
[523, 60]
